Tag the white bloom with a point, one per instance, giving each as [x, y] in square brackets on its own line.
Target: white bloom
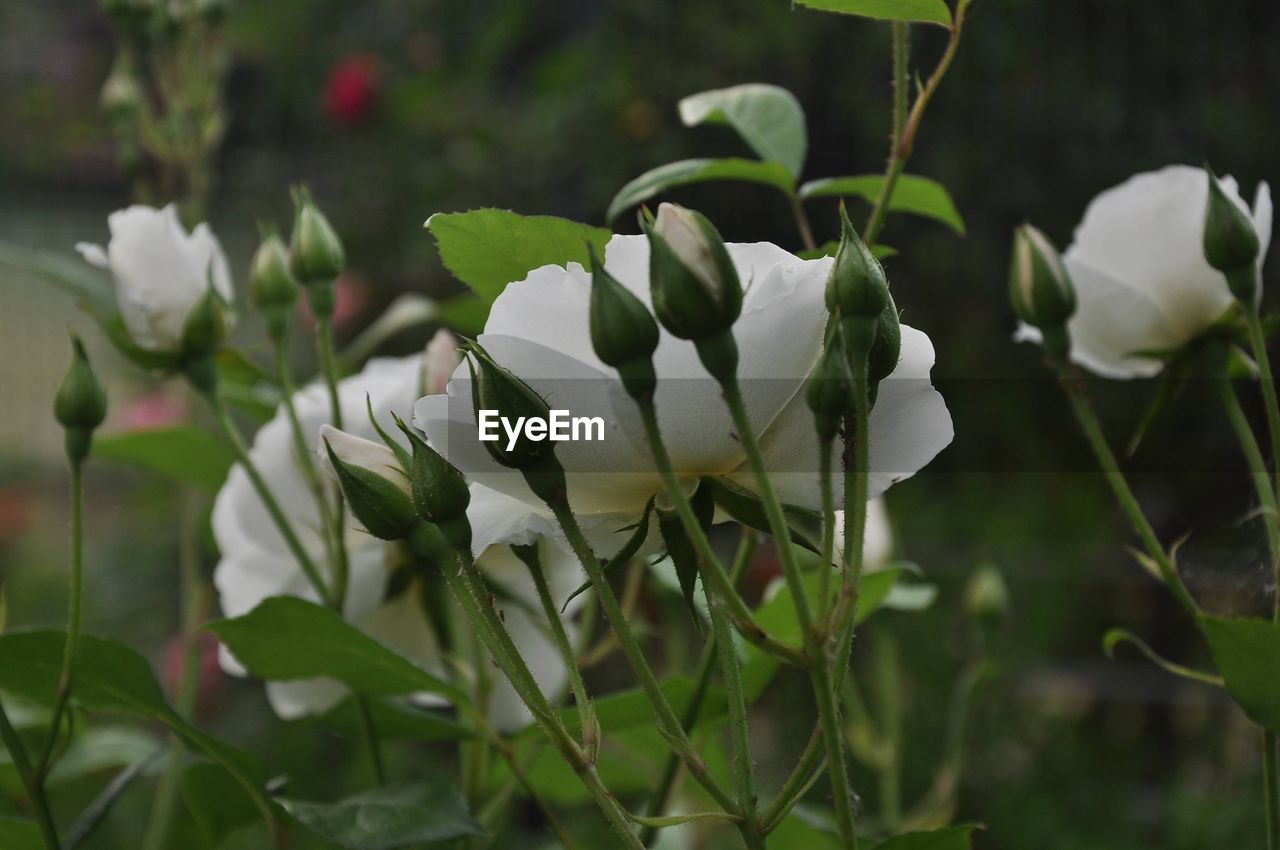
[1137, 262]
[877, 540]
[256, 563]
[538, 328]
[161, 272]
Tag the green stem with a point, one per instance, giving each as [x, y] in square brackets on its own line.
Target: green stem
[1271, 783]
[713, 572]
[891, 724]
[701, 682]
[561, 638]
[825, 564]
[75, 598]
[241, 451]
[370, 735]
[329, 369]
[192, 593]
[802, 223]
[1259, 342]
[773, 507]
[1072, 385]
[30, 782]
[819, 646]
[468, 589]
[668, 722]
[906, 130]
[1257, 466]
[334, 542]
[797, 783]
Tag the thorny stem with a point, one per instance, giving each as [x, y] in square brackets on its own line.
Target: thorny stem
[905, 130]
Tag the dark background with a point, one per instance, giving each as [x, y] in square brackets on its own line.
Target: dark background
[550, 108]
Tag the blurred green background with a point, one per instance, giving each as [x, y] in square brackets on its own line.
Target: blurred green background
[394, 109]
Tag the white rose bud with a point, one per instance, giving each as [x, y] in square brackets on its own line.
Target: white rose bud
[439, 362]
[162, 273]
[680, 229]
[373, 482]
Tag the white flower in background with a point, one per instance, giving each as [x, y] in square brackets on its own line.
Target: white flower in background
[256, 563]
[1142, 283]
[877, 541]
[538, 328]
[161, 272]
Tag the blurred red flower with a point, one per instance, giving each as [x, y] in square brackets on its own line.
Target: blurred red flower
[351, 90]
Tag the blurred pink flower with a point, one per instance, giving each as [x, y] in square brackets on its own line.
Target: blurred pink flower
[156, 408]
[16, 511]
[209, 683]
[351, 294]
[351, 91]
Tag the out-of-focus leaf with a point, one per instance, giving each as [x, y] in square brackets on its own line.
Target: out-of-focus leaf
[1247, 652]
[918, 11]
[390, 817]
[394, 721]
[828, 249]
[110, 676]
[680, 548]
[623, 710]
[210, 794]
[688, 171]
[409, 310]
[948, 838]
[181, 452]
[102, 748]
[93, 290]
[465, 314]
[768, 118]
[489, 248]
[20, 834]
[911, 194]
[286, 638]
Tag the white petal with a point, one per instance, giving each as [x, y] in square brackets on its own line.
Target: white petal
[1114, 322]
[305, 697]
[360, 453]
[95, 255]
[1146, 233]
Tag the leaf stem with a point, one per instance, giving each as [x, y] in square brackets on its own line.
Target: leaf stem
[567, 654]
[30, 782]
[329, 369]
[802, 222]
[1073, 386]
[905, 131]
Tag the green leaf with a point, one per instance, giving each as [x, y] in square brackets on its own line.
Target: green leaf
[182, 452]
[286, 638]
[623, 710]
[911, 194]
[768, 118]
[949, 838]
[688, 171]
[628, 551]
[18, 834]
[96, 812]
[465, 314]
[918, 11]
[489, 248]
[746, 507]
[395, 722]
[390, 817]
[210, 794]
[1247, 652]
[1115, 637]
[110, 676]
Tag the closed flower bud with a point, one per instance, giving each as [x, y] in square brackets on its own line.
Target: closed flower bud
[271, 284]
[80, 405]
[373, 483]
[122, 97]
[857, 286]
[315, 251]
[623, 331]
[206, 326]
[986, 597]
[830, 389]
[495, 388]
[695, 287]
[1039, 286]
[888, 345]
[1231, 242]
[440, 492]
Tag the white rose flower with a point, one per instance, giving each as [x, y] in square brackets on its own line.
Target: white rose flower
[161, 272]
[256, 563]
[1142, 283]
[538, 328]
